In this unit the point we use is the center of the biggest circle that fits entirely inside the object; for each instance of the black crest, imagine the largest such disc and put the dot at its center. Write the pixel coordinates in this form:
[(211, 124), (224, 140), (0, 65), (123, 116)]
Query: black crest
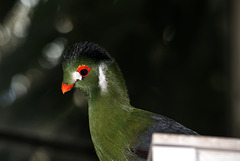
[(87, 50)]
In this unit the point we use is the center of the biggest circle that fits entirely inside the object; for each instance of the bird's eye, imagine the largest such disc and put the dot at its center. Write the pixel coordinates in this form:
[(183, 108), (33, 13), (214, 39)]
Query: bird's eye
[(83, 70)]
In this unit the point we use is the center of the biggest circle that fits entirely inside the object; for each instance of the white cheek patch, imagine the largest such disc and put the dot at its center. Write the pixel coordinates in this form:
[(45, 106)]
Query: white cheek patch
[(76, 76), (102, 78)]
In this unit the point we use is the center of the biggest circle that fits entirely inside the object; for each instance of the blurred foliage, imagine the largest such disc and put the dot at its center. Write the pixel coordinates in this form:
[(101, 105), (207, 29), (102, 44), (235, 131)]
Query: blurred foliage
[(173, 54)]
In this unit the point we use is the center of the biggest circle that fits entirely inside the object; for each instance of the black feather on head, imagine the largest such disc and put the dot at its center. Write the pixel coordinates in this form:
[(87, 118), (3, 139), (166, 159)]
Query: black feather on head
[(86, 50)]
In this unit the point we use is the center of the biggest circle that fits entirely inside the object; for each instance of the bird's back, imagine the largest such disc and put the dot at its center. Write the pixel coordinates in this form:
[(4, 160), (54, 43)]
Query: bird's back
[(159, 124)]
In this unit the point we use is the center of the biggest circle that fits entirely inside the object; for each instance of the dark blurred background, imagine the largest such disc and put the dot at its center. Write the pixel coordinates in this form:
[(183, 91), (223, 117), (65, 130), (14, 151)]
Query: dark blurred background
[(179, 59)]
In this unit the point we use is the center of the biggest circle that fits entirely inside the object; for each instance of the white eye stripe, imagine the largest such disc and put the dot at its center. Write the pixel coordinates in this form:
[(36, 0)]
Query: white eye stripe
[(77, 76), (102, 78)]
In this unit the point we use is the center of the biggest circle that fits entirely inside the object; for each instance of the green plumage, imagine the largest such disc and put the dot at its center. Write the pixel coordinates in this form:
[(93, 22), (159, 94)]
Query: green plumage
[(118, 130)]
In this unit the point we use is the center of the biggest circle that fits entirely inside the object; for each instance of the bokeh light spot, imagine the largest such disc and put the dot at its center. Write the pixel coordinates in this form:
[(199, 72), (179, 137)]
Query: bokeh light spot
[(30, 3), (64, 24)]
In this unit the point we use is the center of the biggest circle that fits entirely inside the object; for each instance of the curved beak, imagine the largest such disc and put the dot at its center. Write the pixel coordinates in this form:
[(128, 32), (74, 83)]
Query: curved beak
[(67, 87)]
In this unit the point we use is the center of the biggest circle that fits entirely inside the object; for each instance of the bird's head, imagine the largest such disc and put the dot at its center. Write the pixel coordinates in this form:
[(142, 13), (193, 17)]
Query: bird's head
[(84, 66)]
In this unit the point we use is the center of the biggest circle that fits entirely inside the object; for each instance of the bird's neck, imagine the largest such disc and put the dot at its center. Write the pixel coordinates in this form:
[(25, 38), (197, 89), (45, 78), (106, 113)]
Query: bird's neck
[(111, 98), (109, 110), (111, 89)]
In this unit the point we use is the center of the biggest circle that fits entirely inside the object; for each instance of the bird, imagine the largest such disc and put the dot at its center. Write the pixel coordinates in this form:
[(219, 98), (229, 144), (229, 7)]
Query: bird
[(119, 131)]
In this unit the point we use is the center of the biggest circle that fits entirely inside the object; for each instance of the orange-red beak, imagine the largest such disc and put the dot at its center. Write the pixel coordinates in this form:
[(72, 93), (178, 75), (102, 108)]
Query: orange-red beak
[(66, 87)]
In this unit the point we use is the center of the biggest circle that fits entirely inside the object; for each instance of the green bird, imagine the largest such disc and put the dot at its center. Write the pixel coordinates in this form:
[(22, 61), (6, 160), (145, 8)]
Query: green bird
[(119, 131)]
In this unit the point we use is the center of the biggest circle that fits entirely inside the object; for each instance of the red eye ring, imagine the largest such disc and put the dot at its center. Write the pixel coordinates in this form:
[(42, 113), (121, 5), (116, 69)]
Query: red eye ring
[(83, 70)]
